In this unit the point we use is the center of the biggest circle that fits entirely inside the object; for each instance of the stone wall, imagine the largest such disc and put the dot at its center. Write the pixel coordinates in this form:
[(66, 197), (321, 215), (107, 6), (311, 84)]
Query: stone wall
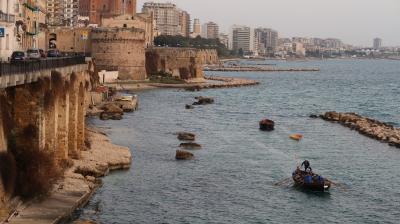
[(120, 49), (46, 115), (185, 63), (71, 40)]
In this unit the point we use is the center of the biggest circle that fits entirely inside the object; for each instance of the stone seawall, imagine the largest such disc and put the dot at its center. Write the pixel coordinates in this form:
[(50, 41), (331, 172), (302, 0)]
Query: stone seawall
[(366, 126), (184, 63)]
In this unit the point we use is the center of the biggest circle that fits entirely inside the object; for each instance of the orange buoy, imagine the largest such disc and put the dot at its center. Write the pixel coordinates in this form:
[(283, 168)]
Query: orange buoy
[(296, 137)]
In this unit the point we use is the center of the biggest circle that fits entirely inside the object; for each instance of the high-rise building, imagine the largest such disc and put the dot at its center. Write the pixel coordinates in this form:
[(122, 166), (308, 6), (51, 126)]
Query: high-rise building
[(224, 39), (377, 43), (196, 28), (265, 41), (211, 30), (62, 12), (241, 39), (184, 23), (99, 9), (166, 16)]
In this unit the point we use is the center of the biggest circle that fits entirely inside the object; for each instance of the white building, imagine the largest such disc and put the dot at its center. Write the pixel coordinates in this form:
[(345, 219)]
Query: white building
[(166, 16), (242, 39), (210, 30), (8, 41)]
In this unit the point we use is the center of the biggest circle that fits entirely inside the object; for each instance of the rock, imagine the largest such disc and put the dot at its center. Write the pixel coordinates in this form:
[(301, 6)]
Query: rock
[(84, 222), (186, 136), (267, 125), (190, 145), (189, 107), (203, 100), (183, 155), (314, 116), (111, 111)]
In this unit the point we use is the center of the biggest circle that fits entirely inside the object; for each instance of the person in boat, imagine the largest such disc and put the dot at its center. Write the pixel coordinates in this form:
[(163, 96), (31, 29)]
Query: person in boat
[(307, 167)]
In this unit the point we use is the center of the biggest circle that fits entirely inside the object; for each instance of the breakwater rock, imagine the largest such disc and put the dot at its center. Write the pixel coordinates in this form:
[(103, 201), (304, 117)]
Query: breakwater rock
[(259, 69), (366, 126)]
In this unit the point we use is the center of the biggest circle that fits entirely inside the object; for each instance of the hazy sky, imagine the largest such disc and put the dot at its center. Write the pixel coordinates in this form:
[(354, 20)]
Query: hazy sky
[(356, 22)]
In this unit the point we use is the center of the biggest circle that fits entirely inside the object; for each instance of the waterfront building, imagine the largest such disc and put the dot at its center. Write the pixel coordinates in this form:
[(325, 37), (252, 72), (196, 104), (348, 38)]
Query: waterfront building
[(241, 39), (96, 10), (265, 41), (211, 30), (166, 16), (377, 43), (298, 49), (196, 28)]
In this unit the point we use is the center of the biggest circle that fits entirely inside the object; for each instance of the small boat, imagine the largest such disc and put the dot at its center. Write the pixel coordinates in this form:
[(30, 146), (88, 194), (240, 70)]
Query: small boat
[(296, 137), (310, 181), (267, 125)]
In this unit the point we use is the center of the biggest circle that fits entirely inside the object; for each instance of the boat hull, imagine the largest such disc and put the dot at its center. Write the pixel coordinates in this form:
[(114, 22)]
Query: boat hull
[(315, 183)]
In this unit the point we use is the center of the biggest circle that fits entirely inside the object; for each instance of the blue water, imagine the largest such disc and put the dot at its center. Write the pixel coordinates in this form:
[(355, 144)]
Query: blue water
[(233, 178)]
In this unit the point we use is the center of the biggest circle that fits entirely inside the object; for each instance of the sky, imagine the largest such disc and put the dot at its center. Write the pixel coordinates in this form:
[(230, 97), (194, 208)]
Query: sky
[(356, 22)]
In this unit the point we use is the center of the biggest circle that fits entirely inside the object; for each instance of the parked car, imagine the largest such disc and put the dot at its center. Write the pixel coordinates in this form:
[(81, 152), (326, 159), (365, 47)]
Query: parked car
[(53, 53), (42, 53), (34, 53), (17, 56)]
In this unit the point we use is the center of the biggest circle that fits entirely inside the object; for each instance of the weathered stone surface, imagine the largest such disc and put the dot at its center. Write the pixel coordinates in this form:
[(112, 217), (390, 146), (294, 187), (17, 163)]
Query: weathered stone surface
[(183, 155), (111, 111), (203, 100), (186, 136), (190, 145), (366, 126)]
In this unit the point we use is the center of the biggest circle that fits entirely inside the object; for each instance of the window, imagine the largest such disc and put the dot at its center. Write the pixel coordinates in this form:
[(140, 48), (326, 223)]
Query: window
[(7, 42)]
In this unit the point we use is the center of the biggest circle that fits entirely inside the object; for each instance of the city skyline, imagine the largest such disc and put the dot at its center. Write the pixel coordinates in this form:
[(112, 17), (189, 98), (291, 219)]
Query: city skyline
[(309, 18)]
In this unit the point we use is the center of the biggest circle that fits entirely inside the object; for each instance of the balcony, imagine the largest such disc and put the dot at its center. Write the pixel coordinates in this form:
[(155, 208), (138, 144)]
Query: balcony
[(4, 17)]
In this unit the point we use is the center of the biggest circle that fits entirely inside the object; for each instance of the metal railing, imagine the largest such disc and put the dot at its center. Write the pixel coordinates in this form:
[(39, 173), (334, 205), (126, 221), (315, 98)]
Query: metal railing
[(29, 66)]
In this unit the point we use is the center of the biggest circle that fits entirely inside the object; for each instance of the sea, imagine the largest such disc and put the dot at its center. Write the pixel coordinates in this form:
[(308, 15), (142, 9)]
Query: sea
[(243, 175)]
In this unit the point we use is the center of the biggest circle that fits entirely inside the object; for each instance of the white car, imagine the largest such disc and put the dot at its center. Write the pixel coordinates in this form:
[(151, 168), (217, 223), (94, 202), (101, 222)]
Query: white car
[(34, 53)]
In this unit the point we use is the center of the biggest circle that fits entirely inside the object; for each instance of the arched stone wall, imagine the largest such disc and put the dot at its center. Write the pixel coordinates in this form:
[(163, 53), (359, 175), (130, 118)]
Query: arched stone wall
[(81, 117)]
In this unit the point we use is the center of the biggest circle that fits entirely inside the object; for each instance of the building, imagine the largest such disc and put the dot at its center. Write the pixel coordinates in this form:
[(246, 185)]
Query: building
[(211, 30), (298, 49), (377, 43), (120, 49), (265, 41), (224, 39), (196, 28), (31, 24), (139, 20), (241, 39), (62, 12), (166, 16), (184, 23), (7, 29), (97, 10)]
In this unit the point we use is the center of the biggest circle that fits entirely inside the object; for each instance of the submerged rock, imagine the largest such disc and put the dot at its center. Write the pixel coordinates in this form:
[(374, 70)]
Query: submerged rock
[(267, 125), (183, 155), (189, 107), (203, 100), (186, 136), (190, 145)]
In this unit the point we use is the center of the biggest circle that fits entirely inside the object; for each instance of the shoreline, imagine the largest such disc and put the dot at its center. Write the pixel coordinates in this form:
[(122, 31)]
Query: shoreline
[(80, 182)]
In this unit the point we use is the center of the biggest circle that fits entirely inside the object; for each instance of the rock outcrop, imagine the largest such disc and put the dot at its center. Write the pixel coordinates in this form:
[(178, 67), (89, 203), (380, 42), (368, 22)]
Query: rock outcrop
[(366, 126), (203, 100), (111, 111), (186, 136), (190, 145), (183, 155)]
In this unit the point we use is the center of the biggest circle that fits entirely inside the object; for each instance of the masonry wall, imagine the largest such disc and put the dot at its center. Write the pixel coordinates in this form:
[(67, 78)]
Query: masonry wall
[(46, 115), (185, 63), (120, 49)]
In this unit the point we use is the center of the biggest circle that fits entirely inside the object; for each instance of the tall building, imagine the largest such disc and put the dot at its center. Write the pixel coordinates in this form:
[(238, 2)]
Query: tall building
[(196, 28), (166, 16), (7, 27), (241, 38), (62, 12), (224, 39), (184, 23), (211, 30), (96, 10), (377, 43), (265, 41)]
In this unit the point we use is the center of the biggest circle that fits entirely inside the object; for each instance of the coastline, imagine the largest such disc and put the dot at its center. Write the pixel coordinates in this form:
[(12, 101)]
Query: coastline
[(79, 183)]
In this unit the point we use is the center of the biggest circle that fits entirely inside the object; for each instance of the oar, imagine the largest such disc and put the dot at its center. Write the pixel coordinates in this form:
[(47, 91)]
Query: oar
[(283, 182)]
